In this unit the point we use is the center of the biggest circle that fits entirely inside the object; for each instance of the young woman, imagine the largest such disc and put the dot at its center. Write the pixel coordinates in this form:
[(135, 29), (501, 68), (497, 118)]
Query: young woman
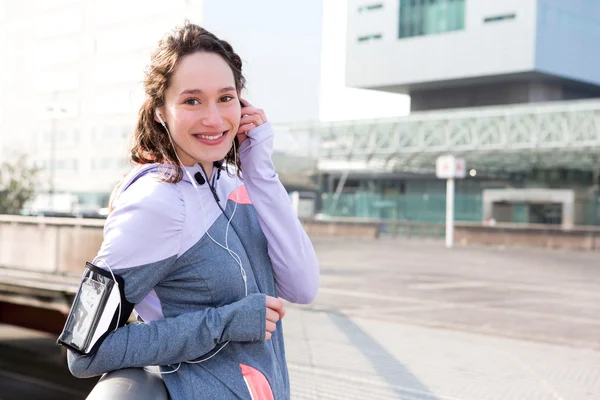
[(203, 234)]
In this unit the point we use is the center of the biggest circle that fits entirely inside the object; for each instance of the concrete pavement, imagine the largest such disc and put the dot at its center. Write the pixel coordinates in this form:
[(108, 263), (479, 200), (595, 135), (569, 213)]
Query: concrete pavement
[(409, 319), (412, 320), (332, 356)]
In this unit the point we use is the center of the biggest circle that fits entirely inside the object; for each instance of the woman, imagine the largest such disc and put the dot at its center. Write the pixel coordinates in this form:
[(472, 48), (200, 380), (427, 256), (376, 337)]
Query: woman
[(206, 253)]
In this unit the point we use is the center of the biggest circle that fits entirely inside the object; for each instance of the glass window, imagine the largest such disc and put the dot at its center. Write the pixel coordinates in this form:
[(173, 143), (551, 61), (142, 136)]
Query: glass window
[(371, 7), (66, 164), (366, 38), (497, 18), (430, 17)]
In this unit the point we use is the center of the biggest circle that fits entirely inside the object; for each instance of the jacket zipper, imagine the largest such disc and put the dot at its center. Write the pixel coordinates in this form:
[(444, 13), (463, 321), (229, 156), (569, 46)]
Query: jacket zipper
[(212, 187)]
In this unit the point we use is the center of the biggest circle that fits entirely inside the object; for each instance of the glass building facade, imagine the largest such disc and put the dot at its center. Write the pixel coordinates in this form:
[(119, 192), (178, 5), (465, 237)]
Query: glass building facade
[(423, 200), (430, 17)]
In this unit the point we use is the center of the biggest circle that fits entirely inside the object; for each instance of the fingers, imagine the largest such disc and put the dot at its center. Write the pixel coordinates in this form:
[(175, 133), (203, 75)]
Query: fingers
[(251, 119), (274, 302), (277, 305), (246, 128), (249, 109), (282, 312), (272, 315), (272, 318), (249, 122), (275, 311)]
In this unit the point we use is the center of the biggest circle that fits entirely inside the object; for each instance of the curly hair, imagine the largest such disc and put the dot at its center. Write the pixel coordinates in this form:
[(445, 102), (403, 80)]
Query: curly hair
[(151, 143)]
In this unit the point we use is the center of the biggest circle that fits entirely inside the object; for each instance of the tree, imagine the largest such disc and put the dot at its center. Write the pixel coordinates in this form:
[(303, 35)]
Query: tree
[(18, 183)]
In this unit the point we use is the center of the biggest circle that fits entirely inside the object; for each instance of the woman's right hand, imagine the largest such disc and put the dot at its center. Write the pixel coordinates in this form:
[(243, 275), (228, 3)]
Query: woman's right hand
[(275, 312)]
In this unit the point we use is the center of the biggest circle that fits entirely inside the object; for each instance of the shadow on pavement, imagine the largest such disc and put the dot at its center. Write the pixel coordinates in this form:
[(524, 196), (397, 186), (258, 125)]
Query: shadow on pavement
[(401, 380)]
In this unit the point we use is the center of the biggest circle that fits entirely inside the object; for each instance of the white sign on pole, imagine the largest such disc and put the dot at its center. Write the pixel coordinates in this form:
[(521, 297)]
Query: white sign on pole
[(448, 167)]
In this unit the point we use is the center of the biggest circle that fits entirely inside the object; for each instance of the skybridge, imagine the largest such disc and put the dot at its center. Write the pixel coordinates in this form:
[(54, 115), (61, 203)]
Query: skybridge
[(501, 138)]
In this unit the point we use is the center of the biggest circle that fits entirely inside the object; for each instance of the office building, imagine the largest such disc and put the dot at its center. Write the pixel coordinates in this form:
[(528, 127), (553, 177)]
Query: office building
[(465, 53)]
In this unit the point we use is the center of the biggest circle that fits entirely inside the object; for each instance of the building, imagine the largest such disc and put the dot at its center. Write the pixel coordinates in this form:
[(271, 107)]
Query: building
[(507, 85), (72, 86), (466, 53), (71, 76)]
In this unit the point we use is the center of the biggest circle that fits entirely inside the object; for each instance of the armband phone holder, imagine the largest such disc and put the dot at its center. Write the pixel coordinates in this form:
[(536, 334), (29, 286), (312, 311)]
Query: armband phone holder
[(99, 308)]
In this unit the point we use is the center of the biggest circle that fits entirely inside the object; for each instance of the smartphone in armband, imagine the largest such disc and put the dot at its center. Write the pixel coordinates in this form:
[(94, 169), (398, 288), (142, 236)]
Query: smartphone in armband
[(99, 308)]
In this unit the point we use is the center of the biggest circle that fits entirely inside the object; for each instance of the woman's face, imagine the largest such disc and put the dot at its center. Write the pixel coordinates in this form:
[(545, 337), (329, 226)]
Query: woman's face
[(202, 109)]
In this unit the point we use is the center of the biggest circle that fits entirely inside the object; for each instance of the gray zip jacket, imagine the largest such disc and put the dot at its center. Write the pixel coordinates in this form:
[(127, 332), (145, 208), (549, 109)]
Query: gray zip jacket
[(190, 292)]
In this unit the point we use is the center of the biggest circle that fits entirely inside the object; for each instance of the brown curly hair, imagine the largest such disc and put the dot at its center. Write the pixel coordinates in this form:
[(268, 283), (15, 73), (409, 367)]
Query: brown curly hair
[(151, 143)]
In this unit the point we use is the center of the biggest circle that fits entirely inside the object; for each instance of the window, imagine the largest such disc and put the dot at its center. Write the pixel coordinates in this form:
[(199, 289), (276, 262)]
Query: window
[(430, 17), (369, 37), (67, 165), (110, 163), (370, 7), (497, 18)]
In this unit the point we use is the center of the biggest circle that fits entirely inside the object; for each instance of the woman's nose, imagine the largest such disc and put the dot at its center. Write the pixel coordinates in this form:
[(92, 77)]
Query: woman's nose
[(213, 116)]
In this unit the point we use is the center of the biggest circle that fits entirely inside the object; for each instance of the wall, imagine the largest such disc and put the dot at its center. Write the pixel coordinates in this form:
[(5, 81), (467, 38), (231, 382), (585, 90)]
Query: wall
[(485, 95)]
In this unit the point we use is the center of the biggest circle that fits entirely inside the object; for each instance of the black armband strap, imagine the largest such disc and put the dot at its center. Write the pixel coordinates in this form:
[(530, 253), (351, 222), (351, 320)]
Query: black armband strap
[(95, 311)]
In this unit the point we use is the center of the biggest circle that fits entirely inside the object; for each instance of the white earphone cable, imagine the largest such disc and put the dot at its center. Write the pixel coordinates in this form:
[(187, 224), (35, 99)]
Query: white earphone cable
[(232, 253)]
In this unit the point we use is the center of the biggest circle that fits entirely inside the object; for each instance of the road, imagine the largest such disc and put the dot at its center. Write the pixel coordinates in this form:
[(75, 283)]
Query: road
[(409, 319)]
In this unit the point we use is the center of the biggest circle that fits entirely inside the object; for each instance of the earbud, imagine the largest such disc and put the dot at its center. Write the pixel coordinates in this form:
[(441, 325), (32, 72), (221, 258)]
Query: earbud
[(159, 118)]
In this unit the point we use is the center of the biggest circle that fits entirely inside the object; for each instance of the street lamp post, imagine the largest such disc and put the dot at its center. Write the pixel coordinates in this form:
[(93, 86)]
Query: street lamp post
[(55, 111)]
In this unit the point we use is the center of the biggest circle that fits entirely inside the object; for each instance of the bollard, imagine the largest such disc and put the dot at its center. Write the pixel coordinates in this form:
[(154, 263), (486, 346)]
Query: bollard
[(130, 384)]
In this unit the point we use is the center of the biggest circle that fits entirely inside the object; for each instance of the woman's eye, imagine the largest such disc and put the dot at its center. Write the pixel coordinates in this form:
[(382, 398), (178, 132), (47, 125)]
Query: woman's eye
[(192, 102), (226, 99)]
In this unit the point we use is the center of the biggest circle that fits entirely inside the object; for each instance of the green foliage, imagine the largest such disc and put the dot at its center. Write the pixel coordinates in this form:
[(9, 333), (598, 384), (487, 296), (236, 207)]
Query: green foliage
[(18, 183)]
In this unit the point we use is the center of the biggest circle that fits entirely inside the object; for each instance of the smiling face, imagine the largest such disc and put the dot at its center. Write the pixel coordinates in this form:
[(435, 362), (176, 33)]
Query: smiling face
[(201, 108)]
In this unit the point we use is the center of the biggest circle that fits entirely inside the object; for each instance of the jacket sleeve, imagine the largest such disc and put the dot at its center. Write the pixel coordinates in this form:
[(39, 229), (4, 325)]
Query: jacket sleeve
[(142, 239), (295, 264), (173, 340)]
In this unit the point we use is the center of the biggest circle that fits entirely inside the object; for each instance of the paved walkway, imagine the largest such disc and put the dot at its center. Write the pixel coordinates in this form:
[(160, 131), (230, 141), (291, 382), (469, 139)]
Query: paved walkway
[(412, 320), (332, 356)]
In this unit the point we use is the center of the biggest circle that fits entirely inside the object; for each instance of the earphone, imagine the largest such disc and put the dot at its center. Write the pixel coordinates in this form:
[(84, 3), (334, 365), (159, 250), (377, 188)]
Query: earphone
[(233, 254)]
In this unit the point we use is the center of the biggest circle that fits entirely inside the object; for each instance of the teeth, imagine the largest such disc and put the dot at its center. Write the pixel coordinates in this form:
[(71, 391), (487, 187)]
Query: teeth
[(212, 137)]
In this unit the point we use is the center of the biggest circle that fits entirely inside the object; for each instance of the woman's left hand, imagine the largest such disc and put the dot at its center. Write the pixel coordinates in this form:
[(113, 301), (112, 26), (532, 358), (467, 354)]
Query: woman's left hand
[(251, 118)]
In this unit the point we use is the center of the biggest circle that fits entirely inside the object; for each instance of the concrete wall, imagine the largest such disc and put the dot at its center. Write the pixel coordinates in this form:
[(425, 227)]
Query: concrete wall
[(62, 246), (52, 246), (513, 235)]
